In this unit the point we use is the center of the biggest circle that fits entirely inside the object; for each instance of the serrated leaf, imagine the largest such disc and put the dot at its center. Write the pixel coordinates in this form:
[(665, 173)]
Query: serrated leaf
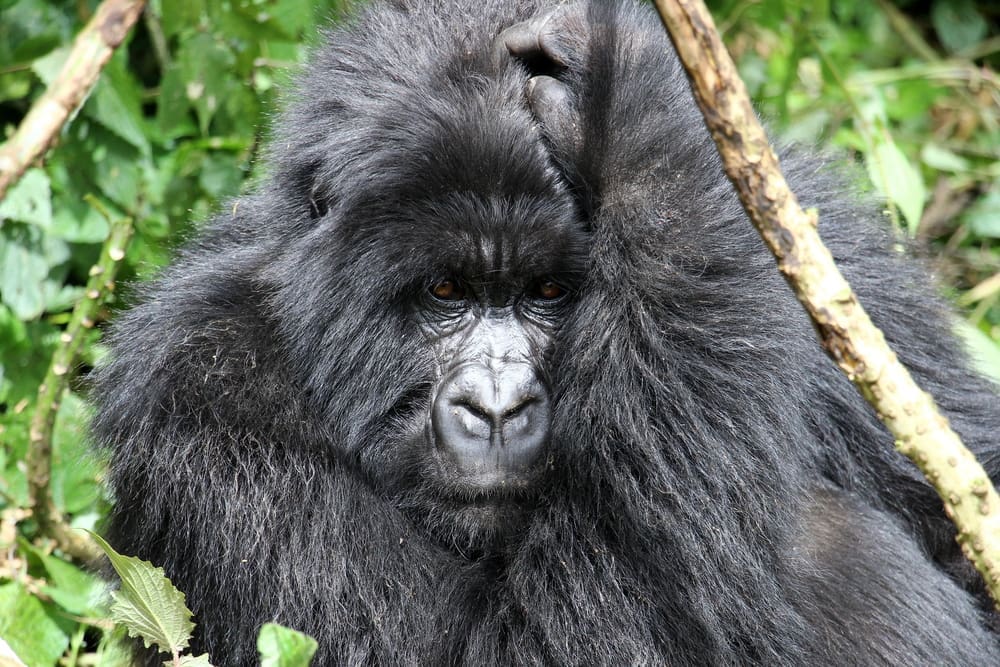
[(283, 647), (147, 604), (192, 661), (26, 259), (30, 200)]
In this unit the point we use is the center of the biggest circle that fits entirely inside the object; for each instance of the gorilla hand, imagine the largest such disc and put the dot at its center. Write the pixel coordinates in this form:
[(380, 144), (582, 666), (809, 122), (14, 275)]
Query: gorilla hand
[(552, 46), (613, 106)]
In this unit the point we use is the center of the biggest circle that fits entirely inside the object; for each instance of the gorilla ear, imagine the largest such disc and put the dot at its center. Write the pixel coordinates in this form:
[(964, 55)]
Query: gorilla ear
[(302, 180), (318, 206)]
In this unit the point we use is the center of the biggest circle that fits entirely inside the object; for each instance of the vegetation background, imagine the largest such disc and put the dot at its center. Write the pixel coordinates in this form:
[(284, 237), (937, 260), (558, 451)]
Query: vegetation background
[(907, 89)]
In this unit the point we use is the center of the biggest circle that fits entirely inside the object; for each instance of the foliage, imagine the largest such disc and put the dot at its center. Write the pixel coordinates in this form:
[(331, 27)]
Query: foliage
[(175, 123), (167, 135), (911, 90), (147, 605), (282, 647)]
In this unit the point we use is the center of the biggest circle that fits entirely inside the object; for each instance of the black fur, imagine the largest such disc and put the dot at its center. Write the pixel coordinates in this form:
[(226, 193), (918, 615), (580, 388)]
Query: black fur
[(716, 492)]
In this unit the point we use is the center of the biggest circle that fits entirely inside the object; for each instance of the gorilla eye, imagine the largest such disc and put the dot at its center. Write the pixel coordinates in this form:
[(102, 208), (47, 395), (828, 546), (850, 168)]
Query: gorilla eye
[(448, 290), (549, 290)]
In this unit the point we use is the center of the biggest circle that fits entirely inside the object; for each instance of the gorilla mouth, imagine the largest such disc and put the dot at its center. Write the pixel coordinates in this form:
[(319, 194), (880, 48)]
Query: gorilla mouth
[(465, 513), (494, 476)]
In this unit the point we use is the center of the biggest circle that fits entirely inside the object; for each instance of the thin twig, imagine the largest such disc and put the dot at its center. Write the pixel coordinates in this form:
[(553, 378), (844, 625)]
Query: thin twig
[(50, 520)]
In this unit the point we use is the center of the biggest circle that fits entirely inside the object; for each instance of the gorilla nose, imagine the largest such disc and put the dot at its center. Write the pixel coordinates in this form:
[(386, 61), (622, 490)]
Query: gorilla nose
[(492, 423)]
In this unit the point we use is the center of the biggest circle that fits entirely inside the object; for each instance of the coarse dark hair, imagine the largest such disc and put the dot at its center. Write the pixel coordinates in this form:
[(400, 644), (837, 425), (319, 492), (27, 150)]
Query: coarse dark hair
[(713, 490)]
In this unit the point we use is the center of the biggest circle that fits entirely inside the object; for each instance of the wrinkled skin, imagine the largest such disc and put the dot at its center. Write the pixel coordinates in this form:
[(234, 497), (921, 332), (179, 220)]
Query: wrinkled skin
[(492, 369)]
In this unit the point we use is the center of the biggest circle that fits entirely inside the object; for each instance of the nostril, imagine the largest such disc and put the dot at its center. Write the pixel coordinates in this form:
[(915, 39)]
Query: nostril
[(519, 407), (491, 414), (474, 408)]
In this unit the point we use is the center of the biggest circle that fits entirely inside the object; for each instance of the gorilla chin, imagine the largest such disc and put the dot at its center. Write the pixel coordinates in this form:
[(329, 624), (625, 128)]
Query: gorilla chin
[(478, 511)]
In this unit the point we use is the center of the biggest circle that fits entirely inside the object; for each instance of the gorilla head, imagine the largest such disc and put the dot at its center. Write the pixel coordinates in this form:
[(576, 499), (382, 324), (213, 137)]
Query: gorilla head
[(424, 287), (492, 369)]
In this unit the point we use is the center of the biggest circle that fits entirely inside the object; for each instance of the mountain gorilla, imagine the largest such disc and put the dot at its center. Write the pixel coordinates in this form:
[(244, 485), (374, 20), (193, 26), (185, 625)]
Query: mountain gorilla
[(492, 369)]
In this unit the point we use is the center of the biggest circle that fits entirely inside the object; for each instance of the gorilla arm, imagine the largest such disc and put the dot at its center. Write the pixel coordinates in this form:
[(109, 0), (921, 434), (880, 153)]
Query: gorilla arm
[(625, 131), (616, 110)]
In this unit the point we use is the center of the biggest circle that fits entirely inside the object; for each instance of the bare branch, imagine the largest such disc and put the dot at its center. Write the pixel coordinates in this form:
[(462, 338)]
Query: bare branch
[(91, 51), (845, 330)]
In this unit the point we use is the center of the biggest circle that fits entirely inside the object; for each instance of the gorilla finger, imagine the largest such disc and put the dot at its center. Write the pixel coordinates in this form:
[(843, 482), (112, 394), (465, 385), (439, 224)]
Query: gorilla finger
[(530, 40), (550, 100)]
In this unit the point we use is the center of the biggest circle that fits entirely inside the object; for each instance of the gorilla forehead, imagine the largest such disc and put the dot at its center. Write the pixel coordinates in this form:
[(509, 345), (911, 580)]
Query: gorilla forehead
[(487, 144), (471, 235), (476, 237)]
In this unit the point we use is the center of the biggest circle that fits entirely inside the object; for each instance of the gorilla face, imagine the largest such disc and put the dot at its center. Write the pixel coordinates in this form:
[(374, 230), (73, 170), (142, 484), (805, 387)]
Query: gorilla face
[(487, 426), (489, 420), (490, 322)]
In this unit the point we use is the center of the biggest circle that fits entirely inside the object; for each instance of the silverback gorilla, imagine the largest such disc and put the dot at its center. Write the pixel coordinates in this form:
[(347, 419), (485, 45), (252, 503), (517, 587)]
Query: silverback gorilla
[(491, 369)]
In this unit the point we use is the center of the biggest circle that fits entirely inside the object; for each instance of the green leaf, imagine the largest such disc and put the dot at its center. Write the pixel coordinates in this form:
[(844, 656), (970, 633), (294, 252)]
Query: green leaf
[(120, 176), (115, 105), (28, 29), (220, 176), (26, 259), (942, 159), (983, 217), (172, 110), (207, 66), (47, 67), (77, 222), (30, 200), (147, 604), (958, 23), (181, 15), (32, 634), (283, 647), (983, 350), (75, 472), (897, 179), (25, 351), (192, 661), (73, 589), (115, 650), (293, 17)]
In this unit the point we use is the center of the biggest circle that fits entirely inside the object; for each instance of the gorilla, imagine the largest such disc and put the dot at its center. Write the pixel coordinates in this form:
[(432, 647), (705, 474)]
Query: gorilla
[(491, 369)]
